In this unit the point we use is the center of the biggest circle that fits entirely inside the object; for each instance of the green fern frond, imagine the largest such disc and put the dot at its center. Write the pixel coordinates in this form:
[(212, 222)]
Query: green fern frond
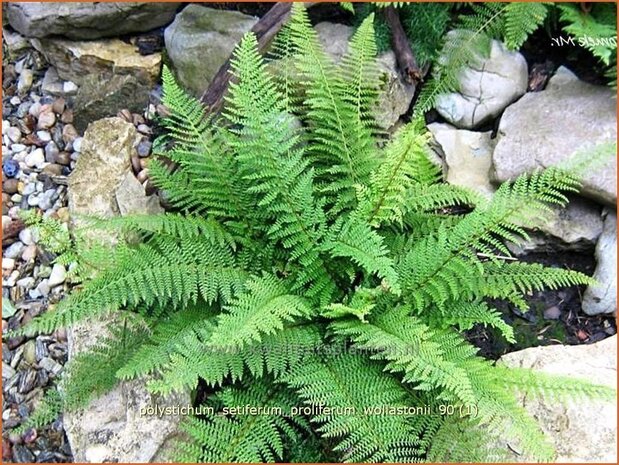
[(47, 411), (244, 438), (468, 314), (165, 272), (262, 308), (347, 387)]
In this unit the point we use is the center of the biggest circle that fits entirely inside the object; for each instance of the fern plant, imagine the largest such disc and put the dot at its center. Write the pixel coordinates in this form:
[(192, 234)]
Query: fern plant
[(313, 271)]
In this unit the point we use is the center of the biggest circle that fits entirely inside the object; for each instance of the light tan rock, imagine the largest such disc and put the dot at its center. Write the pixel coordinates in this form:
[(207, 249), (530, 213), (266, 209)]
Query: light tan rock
[(76, 60), (467, 155), (583, 430), (113, 427)]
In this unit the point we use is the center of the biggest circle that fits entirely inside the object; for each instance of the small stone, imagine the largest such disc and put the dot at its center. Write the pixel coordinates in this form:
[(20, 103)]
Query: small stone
[(36, 158), (143, 176), (69, 88), (53, 169), (29, 236), (30, 436), (10, 186), (7, 371), (144, 148), (144, 129), (22, 454), (8, 263), (25, 81), (45, 136), (552, 313), (10, 168), (59, 105), (46, 120), (35, 109), (67, 116), (77, 144), (63, 158), (43, 288), (50, 365), (14, 134), (58, 275), (30, 253), (51, 152), (63, 214), (69, 134), (26, 283), (14, 250)]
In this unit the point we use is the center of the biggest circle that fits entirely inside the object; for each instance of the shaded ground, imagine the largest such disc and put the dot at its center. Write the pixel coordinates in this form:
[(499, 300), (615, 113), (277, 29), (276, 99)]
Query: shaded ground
[(536, 327)]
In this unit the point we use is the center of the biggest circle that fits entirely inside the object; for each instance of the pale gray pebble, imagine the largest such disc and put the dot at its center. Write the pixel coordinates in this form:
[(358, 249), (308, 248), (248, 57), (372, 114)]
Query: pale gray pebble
[(26, 283), (77, 144), (14, 250), (45, 136), (51, 152), (50, 365), (44, 287)]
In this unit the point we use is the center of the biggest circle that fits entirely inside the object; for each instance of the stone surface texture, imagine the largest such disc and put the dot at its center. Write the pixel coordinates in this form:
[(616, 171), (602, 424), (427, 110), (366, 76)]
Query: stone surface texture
[(486, 88), (467, 155), (114, 428), (87, 20), (583, 430), (200, 40), (548, 128), (603, 298)]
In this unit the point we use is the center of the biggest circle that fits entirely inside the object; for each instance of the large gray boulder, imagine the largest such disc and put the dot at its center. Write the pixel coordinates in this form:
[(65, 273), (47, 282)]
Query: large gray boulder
[(584, 430), (548, 128), (87, 20), (486, 87), (603, 297), (113, 427), (575, 227), (200, 40)]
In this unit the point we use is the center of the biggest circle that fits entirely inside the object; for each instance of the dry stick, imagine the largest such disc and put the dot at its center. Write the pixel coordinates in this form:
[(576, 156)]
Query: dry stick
[(265, 29), (402, 49)]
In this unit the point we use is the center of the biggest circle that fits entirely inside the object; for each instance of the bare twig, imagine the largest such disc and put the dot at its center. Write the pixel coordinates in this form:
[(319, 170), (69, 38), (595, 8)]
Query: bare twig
[(265, 29), (402, 49)]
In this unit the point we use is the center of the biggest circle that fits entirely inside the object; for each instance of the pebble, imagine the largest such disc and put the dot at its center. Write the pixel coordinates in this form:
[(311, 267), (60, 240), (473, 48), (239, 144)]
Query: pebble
[(10, 168), (69, 133), (27, 282), (22, 109), (36, 158), (53, 169), (144, 148), (35, 109), (22, 454), (59, 105), (552, 313), (58, 275), (14, 134), (25, 81), (10, 186), (67, 116), (50, 365), (43, 288), (46, 119), (63, 158), (29, 236), (30, 253), (63, 214), (69, 87), (51, 152), (14, 250), (45, 136), (77, 144), (16, 148), (8, 263)]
